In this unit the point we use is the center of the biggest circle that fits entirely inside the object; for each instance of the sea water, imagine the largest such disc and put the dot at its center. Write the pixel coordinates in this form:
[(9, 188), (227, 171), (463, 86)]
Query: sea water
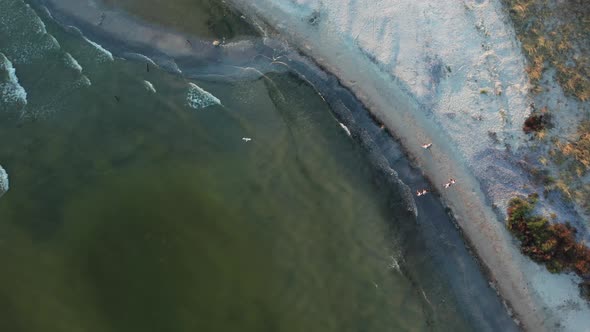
[(144, 199)]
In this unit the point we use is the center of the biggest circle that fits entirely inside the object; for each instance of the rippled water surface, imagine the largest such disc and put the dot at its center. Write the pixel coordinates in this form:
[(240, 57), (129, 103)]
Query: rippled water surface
[(142, 200)]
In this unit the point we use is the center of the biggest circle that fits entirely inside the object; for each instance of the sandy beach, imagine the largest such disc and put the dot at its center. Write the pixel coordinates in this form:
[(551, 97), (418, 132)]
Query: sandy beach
[(456, 71)]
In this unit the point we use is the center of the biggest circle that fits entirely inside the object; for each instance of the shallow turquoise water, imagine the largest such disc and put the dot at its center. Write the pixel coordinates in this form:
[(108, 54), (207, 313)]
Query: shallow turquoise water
[(130, 210)]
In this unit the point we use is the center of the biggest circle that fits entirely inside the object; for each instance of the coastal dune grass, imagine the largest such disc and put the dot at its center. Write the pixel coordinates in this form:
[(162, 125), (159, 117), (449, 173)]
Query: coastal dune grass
[(553, 244), (573, 157), (580, 148), (555, 34)]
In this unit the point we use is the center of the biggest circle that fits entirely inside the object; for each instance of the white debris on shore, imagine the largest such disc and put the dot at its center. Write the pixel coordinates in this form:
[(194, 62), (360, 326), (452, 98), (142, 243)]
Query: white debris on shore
[(4, 184), (424, 68)]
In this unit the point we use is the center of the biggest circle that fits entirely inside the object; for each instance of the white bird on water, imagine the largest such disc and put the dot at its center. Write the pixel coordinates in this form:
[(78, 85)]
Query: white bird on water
[(426, 146), (246, 139)]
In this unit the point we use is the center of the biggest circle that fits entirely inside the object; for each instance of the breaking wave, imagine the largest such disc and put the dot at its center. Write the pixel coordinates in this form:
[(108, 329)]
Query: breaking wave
[(10, 90), (149, 86), (198, 98), (4, 185), (72, 62), (105, 54), (31, 39), (82, 81)]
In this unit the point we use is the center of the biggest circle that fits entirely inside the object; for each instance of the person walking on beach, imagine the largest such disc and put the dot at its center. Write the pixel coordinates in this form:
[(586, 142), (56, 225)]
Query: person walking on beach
[(450, 183), (421, 192)]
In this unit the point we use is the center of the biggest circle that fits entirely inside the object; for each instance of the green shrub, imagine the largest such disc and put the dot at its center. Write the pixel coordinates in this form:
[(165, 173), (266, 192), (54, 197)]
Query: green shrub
[(554, 245)]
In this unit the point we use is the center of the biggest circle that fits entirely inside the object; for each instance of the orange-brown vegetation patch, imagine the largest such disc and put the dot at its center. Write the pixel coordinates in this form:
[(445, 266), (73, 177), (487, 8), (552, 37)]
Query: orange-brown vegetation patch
[(555, 34), (553, 244)]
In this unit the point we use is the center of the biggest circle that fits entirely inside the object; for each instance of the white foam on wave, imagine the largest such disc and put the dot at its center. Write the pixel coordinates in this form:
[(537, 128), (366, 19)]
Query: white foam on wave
[(72, 62), (4, 184), (172, 66), (46, 12), (54, 44), (149, 86), (25, 50), (74, 30), (40, 25), (198, 98), (106, 54), (408, 196), (11, 91), (83, 81), (27, 34)]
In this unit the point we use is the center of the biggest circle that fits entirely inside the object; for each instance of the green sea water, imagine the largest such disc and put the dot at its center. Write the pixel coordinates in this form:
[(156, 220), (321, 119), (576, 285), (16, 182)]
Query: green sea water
[(130, 210)]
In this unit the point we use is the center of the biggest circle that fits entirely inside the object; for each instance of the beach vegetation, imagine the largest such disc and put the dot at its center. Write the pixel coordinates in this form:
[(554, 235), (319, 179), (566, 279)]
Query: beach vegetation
[(541, 135), (537, 122), (543, 161), (552, 244), (542, 176), (573, 158), (554, 37), (579, 148), (555, 34)]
